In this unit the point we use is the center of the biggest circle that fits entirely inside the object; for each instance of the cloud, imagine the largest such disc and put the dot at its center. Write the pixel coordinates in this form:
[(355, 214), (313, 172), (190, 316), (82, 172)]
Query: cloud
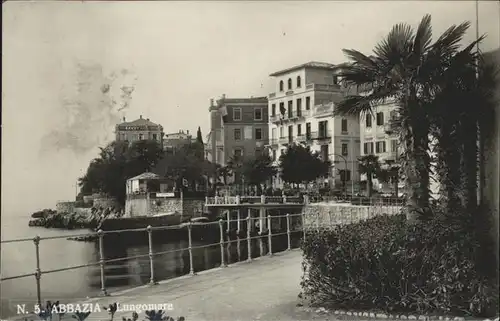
[(90, 110)]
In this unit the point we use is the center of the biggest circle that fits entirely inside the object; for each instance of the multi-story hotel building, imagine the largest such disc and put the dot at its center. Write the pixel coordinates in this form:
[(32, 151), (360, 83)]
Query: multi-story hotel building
[(238, 127), (301, 111), (173, 141), (139, 129)]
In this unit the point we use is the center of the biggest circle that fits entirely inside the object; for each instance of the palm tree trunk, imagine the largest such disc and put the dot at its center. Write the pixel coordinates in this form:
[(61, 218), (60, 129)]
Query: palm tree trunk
[(469, 166), (417, 167), (448, 168), (396, 185), (369, 184)]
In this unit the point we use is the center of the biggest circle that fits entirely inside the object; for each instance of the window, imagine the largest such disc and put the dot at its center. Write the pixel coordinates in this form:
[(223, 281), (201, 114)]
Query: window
[(368, 148), (281, 85), (394, 145), (141, 136), (345, 175), (344, 125), (273, 133), (345, 149), (380, 119), (238, 152), (308, 130), (335, 80), (299, 130), (237, 134), (273, 110), (322, 129), (154, 137), (258, 133), (299, 82), (290, 109), (393, 115), (290, 133), (380, 147), (282, 108), (237, 114), (282, 134), (299, 107), (324, 152), (274, 154), (289, 83), (308, 103), (368, 121), (258, 152), (258, 114)]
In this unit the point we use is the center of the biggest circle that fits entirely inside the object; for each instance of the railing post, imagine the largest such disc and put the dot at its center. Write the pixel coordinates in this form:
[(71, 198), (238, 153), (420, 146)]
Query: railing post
[(263, 199), (149, 229), (237, 199), (206, 199), (221, 243), (216, 200), (284, 199), (303, 216), (269, 235), (100, 233), (190, 249), (288, 232), (38, 271), (249, 240)]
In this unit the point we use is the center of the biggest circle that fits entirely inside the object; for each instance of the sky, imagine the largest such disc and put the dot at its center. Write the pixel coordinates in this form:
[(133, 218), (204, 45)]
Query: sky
[(72, 70)]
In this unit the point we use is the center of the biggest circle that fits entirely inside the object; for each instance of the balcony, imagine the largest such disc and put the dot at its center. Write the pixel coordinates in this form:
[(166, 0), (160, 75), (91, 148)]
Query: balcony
[(272, 95), (275, 118), (273, 142), (301, 138), (323, 110), (323, 136), (283, 140), (323, 87), (288, 93)]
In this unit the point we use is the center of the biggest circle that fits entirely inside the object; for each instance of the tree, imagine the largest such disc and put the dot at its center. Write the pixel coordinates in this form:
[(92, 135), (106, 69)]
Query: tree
[(390, 174), (299, 165), (370, 166), (199, 137), (258, 170), (404, 67), (234, 165)]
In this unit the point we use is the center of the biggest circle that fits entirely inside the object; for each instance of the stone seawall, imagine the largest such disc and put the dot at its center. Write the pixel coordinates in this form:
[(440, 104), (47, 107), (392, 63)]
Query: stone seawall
[(156, 206), (325, 215)]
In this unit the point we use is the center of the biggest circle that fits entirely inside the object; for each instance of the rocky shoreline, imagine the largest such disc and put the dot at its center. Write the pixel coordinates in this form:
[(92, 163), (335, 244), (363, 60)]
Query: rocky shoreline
[(88, 218)]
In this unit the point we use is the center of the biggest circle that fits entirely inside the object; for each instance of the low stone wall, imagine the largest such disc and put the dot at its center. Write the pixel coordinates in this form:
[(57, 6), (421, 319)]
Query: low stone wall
[(105, 202), (326, 215), (155, 206)]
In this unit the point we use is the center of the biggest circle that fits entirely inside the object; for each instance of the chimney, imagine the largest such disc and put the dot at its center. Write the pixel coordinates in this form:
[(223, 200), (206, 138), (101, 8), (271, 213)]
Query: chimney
[(187, 132), (211, 102), (223, 96), (147, 119), (123, 119), (140, 116)]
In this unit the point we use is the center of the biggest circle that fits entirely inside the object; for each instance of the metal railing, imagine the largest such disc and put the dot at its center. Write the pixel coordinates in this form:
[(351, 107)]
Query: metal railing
[(359, 200), (265, 234), (239, 200)]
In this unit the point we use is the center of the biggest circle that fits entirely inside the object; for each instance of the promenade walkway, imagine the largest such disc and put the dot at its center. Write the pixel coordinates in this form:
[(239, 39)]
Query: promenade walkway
[(264, 289)]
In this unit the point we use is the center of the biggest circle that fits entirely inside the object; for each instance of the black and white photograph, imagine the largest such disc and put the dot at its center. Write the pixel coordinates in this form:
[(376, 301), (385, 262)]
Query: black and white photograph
[(250, 160)]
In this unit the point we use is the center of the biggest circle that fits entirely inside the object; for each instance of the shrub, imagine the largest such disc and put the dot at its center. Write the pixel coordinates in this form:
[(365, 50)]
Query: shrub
[(382, 264)]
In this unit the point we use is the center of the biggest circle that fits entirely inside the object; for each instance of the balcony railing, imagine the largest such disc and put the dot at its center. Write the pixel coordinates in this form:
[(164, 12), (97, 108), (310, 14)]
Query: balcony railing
[(323, 110), (239, 200), (272, 95), (283, 140), (322, 135), (301, 138), (273, 142), (323, 87)]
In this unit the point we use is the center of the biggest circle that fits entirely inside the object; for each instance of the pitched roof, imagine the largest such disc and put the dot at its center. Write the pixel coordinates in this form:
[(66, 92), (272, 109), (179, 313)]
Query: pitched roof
[(311, 64), (146, 175), (139, 122), (235, 101)]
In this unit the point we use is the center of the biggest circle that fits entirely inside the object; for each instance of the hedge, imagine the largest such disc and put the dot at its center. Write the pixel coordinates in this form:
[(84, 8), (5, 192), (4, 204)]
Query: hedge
[(384, 265)]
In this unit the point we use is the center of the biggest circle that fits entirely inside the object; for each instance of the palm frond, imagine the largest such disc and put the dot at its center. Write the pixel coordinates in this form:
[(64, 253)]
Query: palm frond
[(423, 36), (397, 45)]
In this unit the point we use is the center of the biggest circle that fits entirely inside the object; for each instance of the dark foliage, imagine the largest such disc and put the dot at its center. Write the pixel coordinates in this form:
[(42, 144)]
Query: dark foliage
[(385, 264), (299, 165), (258, 170)]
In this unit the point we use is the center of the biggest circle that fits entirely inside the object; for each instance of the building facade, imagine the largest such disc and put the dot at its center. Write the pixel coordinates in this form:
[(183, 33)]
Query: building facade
[(238, 127), (173, 141), (139, 129), (301, 111)]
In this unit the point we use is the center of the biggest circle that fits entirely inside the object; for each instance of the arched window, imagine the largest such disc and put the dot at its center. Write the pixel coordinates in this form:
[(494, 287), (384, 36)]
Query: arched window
[(281, 85), (289, 83), (299, 82)]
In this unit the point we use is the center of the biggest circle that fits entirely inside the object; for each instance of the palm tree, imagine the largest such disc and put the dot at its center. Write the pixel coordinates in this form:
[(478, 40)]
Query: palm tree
[(370, 166), (403, 68), (390, 174)]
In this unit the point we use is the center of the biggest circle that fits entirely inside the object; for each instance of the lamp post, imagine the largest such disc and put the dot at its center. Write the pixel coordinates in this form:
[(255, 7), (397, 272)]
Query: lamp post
[(345, 173)]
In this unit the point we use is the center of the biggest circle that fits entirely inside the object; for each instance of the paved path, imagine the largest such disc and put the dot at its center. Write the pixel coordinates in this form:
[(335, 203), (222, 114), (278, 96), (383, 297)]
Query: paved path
[(264, 289)]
